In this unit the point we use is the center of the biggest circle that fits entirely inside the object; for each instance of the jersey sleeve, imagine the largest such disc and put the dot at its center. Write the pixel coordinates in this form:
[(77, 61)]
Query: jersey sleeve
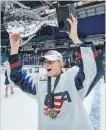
[(21, 78), (90, 69)]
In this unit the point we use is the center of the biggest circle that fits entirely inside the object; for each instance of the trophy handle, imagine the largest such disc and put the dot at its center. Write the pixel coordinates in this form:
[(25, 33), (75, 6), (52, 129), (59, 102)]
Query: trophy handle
[(9, 5), (21, 5), (26, 41)]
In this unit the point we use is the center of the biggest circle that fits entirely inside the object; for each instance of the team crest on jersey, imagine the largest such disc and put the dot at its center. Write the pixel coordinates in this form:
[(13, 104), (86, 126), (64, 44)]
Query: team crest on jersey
[(59, 99)]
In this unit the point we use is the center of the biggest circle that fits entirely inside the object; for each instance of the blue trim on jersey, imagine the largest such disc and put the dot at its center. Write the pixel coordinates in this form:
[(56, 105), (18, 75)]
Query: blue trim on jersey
[(26, 81), (100, 70), (20, 78), (34, 90), (80, 77)]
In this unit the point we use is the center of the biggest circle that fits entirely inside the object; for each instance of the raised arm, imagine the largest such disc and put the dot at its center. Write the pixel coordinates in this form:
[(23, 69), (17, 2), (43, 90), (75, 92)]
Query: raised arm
[(90, 65), (91, 69), (19, 77)]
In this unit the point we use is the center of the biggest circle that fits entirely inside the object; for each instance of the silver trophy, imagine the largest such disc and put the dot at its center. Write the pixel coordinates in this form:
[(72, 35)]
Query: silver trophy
[(23, 20)]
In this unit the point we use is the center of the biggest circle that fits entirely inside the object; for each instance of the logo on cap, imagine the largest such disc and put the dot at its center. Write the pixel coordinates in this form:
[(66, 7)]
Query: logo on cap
[(49, 52)]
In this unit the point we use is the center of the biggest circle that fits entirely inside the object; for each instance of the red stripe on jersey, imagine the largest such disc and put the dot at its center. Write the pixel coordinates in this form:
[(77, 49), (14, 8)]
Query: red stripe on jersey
[(14, 65), (46, 110), (79, 56), (58, 111), (60, 101), (46, 113), (95, 53)]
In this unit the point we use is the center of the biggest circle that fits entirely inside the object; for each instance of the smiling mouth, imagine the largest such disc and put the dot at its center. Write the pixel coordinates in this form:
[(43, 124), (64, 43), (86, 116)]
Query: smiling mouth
[(49, 70)]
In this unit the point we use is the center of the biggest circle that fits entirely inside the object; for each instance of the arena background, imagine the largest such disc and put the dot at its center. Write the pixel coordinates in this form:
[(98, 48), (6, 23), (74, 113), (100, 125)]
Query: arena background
[(91, 28)]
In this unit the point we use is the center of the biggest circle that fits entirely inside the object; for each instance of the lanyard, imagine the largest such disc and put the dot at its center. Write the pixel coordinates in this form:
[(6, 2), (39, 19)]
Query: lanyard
[(51, 94)]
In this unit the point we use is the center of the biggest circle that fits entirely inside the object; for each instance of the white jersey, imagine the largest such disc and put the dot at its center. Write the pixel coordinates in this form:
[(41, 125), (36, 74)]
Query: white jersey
[(68, 103), (72, 88)]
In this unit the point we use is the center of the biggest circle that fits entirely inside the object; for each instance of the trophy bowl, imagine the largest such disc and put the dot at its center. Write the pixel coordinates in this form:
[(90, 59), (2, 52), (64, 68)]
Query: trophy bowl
[(25, 21)]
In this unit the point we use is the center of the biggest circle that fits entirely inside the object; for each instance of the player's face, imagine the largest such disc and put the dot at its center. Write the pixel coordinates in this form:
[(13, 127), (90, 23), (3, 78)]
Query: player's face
[(53, 68)]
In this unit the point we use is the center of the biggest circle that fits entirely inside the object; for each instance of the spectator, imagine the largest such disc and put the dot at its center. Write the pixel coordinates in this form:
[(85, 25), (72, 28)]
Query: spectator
[(7, 83)]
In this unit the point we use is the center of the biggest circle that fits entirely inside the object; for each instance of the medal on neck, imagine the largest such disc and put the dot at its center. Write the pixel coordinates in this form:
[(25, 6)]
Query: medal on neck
[(52, 113)]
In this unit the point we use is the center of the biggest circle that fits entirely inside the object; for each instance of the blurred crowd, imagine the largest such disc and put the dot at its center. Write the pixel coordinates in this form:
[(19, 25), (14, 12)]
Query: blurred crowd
[(70, 58)]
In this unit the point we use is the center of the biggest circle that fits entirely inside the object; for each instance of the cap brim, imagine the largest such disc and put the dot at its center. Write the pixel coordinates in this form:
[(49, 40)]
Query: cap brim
[(49, 57)]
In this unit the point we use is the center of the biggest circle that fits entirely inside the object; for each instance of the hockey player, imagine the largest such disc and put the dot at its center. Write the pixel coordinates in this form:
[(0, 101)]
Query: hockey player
[(7, 84), (59, 94)]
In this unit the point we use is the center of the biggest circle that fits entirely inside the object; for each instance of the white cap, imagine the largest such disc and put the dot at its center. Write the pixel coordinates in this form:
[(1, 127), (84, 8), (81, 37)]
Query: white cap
[(53, 55)]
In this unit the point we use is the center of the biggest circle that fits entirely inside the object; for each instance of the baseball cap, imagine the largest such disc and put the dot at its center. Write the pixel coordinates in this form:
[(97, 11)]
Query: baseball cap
[(53, 55)]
